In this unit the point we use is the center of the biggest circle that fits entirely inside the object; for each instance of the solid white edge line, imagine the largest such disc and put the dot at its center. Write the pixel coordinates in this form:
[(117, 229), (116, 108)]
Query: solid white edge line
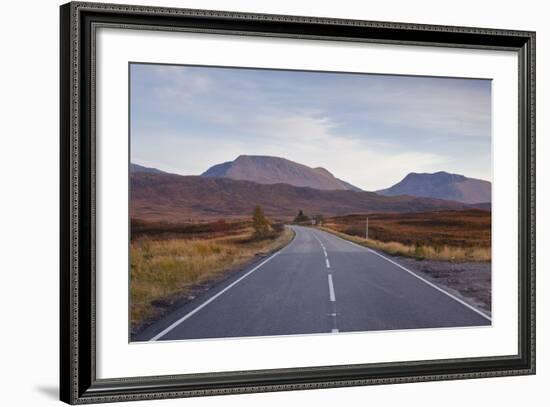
[(204, 304), (426, 281), (331, 288)]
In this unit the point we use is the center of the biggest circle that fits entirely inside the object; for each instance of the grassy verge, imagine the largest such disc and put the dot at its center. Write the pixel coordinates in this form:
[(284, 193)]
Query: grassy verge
[(420, 251), (163, 270)]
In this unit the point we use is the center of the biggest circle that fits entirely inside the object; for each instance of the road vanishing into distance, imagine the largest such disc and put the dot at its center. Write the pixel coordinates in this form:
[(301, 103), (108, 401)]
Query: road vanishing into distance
[(318, 283)]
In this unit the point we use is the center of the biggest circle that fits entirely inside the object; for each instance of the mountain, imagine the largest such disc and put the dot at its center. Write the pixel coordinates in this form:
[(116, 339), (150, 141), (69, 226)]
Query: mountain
[(276, 170), (141, 168), (442, 185), (176, 198)]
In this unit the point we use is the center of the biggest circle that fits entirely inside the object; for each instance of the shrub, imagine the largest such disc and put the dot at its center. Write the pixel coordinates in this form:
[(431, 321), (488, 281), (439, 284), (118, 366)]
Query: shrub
[(260, 223)]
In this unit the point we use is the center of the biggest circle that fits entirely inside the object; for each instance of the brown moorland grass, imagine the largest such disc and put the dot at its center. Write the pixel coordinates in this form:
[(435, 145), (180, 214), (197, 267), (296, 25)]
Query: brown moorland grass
[(445, 235), (188, 230), (163, 270)]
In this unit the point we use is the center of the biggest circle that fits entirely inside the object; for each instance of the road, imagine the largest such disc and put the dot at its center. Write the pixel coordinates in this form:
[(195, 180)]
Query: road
[(319, 283)]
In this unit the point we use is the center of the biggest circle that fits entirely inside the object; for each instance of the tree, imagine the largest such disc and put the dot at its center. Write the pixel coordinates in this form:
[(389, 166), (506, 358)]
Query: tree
[(260, 223), (301, 217)]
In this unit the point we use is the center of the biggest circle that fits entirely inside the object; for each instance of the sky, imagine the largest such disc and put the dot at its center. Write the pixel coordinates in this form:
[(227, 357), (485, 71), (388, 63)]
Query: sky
[(369, 130)]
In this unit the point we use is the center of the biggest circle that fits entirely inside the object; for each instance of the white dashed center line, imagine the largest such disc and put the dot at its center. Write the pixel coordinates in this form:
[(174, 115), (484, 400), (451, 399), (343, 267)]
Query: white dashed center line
[(332, 296), (331, 288)]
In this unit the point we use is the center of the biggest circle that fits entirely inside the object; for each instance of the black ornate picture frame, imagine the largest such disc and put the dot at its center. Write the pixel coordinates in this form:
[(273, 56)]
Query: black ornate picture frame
[(79, 383)]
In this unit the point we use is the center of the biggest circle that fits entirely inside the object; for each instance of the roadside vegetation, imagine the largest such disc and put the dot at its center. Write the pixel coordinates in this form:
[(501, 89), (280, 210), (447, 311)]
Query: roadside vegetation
[(457, 236), (169, 260)]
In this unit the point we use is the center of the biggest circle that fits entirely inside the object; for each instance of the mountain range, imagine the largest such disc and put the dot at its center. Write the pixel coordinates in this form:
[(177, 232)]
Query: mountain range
[(283, 187), (442, 185), (177, 198)]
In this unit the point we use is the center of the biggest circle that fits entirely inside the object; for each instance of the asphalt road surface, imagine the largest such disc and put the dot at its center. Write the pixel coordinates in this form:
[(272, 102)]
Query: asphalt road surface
[(319, 283)]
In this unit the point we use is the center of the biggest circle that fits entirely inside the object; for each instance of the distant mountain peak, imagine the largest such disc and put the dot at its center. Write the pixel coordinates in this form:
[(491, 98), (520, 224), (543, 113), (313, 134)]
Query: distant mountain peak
[(141, 168), (256, 157), (218, 170), (323, 170), (442, 185), (265, 169)]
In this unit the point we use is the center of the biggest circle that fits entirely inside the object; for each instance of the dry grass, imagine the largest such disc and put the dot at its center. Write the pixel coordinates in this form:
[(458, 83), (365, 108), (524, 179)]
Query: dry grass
[(189, 230), (468, 228), (437, 235), (418, 251), (165, 269)]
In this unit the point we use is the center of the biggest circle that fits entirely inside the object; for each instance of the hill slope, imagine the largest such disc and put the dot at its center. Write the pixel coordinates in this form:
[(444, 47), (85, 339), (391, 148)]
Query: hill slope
[(176, 198), (275, 170), (141, 168), (442, 185)]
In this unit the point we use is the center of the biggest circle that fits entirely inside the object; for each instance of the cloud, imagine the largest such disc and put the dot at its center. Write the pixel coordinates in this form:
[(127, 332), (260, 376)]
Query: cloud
[(310, 140), (369, 130), (461, 111)]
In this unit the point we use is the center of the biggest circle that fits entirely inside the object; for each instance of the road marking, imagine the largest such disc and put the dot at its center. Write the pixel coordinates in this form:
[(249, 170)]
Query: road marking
[(319, 240), (330, 285), (204, 304), (324, 250), (426, 281), (331, 288)]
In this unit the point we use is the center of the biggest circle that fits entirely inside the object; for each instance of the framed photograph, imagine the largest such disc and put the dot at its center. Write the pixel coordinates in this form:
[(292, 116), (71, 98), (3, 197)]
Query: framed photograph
[(256, 203)]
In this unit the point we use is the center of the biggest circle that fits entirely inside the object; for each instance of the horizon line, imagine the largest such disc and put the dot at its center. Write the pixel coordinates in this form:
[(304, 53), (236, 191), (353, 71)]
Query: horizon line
[(175, 172)]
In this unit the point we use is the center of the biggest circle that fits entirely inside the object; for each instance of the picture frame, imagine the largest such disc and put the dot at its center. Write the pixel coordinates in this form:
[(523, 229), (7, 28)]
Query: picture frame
[(79, 382)]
